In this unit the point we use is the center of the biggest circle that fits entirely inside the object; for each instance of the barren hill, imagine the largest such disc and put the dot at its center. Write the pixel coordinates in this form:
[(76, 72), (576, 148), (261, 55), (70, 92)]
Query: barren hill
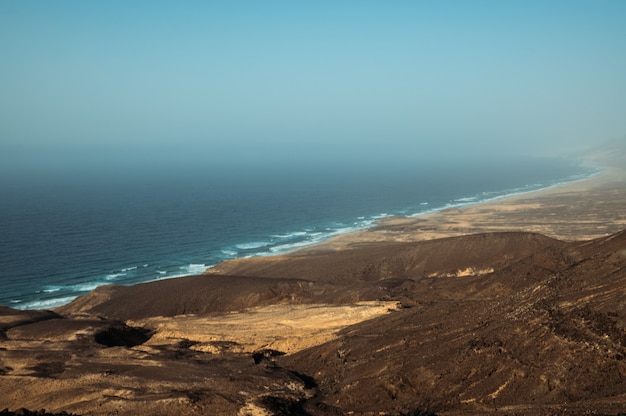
[(499, 323)]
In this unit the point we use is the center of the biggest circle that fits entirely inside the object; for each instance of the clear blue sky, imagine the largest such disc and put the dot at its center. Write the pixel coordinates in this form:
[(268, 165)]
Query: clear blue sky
[(238, 81)]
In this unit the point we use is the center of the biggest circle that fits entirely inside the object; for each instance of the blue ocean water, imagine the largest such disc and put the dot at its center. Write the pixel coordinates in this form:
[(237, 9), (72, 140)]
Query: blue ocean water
[(64, 234)]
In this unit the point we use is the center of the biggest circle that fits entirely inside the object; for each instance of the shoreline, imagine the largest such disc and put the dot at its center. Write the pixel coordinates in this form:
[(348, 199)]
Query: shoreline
[(580, 209), (392, 228)]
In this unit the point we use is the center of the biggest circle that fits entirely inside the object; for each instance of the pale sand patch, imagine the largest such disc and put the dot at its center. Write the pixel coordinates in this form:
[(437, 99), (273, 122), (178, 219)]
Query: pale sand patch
[(285, 328), (470, 271), (251, 409)]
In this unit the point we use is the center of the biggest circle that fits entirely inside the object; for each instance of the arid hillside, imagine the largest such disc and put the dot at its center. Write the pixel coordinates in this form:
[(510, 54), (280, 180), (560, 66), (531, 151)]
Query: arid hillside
[(497, 323)]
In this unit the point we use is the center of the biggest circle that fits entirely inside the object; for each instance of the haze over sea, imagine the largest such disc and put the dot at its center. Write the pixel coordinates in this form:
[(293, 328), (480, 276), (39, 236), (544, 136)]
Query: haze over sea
[(64, 236)]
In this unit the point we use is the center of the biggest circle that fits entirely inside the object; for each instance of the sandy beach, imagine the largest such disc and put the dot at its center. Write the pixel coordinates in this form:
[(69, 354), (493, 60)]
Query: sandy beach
[(515, 306), (578, 210)]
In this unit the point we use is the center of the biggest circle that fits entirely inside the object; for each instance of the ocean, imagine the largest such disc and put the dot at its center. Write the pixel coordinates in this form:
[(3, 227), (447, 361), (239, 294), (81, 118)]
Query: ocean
[(64, 234)]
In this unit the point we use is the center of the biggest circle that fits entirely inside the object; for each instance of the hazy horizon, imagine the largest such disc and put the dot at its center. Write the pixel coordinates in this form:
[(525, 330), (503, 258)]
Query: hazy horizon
[(145, 84)]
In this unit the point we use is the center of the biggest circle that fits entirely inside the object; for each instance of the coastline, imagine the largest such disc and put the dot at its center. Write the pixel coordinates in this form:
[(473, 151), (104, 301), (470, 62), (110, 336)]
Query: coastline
[(452, 218), (293, 224), (582, 209)]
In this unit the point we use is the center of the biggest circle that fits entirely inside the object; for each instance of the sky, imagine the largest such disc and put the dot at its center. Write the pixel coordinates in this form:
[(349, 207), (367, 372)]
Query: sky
[(165, 83)]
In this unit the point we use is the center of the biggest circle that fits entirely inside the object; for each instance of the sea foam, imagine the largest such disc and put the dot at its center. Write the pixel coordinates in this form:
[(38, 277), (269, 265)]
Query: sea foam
[(253, 245), (45, 303)]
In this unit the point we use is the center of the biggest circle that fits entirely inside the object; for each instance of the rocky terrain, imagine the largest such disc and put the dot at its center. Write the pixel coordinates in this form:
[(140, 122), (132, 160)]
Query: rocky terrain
[(496, 323)]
